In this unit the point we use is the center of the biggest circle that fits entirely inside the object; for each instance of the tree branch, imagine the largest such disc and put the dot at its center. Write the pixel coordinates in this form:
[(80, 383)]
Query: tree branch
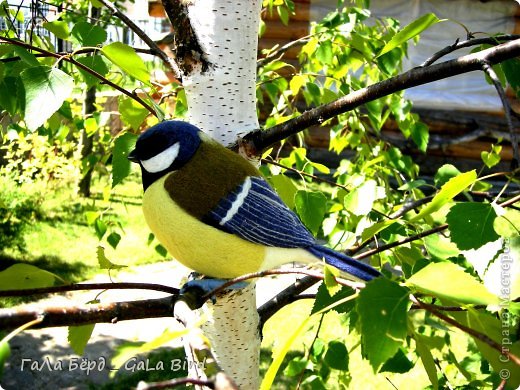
[(83, 67), (145, 38), (259, 140), (486, 67), (468, 43), (185, 45), (87, 314)]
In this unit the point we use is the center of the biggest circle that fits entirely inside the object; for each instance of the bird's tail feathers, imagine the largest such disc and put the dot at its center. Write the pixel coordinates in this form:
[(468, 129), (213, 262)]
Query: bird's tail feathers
[(345, 263)]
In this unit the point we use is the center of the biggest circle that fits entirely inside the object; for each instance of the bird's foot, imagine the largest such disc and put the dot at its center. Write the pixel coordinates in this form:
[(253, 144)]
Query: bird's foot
[(203, 287)]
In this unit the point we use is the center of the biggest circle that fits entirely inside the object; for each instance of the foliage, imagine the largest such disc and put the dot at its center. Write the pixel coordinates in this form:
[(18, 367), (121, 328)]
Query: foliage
[(450, 262), (19, 206)]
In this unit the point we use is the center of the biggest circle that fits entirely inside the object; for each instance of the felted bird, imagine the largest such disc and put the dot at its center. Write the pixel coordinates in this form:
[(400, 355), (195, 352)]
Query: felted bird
[(216, 214)]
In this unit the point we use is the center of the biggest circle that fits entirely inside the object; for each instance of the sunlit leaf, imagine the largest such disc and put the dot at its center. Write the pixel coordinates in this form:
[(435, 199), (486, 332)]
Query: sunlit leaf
[(22, 276), (456, 285), (78, 337), (132, 112), (448, 191), (5, 352), (410, 31), (46, 89), (127, 59), (58, 27)]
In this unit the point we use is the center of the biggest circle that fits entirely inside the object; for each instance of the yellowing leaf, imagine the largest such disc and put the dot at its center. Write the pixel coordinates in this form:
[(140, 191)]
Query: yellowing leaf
[(448, 191), (449, 281)]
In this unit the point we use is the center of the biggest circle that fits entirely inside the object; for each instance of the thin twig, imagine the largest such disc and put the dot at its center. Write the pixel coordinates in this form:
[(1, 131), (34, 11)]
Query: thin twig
[(391, 245), (145, 38), (84, 67), (260, 140), (480, 336), (281, 50), (486, 67), (468, 43), (291, 271)]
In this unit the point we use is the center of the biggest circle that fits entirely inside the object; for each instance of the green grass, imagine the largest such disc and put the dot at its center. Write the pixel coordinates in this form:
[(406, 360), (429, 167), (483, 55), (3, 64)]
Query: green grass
[(61, 241)]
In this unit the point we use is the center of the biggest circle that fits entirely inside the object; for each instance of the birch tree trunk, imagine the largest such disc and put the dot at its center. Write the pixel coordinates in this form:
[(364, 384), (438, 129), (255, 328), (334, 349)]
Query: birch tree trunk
[(220, 87)]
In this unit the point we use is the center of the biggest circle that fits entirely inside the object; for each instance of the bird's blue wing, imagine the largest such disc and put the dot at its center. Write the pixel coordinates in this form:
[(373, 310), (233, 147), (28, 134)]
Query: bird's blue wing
[(255, 212)]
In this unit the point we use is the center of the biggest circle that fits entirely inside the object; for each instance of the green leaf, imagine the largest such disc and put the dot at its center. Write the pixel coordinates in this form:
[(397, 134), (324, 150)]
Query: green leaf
[(507, 224), (445, 173), (127, 60), (132, 112), (78, 337), (382, 307), (59, 28), (46, 89), (22, 276), (329, 279), (104, 262), (97, 64), (296, 83), (87, 34), (427, 360), (491, 158), (113, 239), (456, 284), (311, 207), (371, 231), (336, 356), (510, 68), (410, 31), (27, 57), (296, 366), (399, 363), (360, 200), (440, 247), (471, 224), (420, 135), (120, 163), (448, 191), (324, 299), (285, 188), (324, 52), (10, 101)]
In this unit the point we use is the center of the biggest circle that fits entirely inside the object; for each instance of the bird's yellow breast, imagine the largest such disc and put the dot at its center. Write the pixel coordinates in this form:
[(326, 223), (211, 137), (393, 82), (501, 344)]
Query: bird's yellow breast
[(198, 246)]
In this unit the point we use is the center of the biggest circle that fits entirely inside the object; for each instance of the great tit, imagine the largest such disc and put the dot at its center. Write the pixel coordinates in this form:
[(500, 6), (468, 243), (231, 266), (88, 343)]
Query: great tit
[(216, 214)]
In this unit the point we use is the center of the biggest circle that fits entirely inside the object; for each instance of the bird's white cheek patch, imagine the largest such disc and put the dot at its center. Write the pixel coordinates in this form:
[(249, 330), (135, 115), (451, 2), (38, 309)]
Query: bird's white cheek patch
[(163, 160)]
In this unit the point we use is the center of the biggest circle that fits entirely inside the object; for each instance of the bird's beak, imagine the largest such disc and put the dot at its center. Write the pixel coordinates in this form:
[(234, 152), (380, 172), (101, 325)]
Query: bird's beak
[(132, 156)]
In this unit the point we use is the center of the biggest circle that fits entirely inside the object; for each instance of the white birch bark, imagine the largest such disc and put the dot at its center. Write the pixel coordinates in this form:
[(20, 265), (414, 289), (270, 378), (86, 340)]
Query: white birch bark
[(222, 103)]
